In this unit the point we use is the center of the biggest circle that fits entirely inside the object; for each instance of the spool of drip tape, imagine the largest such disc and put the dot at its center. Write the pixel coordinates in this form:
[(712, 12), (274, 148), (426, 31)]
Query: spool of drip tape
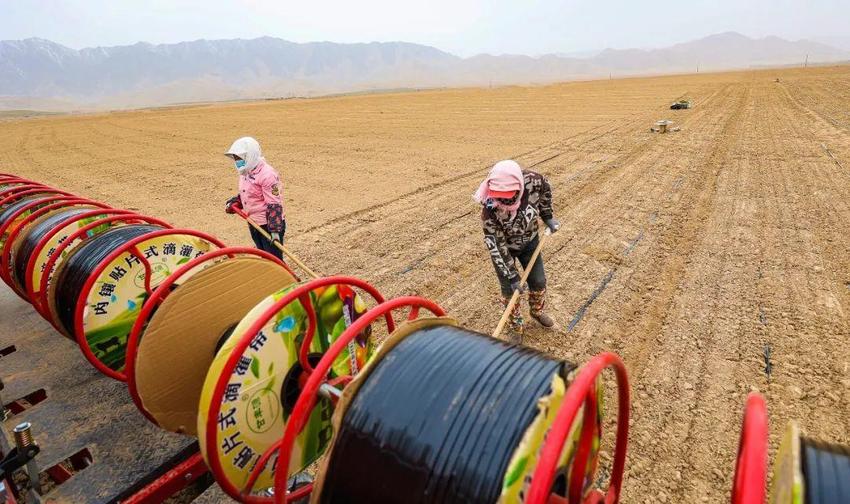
[(119, 290), (72, 273), (826, 471), (13, 213), (181, 338), (24, 246), (809, 471), (443, 414), (263, 388), (48, 248)]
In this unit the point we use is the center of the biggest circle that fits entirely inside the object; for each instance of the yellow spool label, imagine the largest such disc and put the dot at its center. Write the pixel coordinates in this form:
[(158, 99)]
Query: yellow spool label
[(117, 296), (253, 414), (525, 458), (50, 246), (787, 485)]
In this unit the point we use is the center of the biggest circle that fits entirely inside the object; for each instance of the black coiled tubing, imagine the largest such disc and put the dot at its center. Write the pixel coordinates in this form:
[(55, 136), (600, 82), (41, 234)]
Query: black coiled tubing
[(79, 267), (35, 235), (13, 207), (438, 419), (826, 472)]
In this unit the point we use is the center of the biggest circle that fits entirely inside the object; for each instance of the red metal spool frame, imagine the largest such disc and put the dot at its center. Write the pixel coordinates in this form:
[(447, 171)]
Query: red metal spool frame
[(5, 253), (14, 180), (16, 194), (50, 194), (751, 465), (124, 216), (129, 246), (309, 392), (301, 293), (35, 296), (748, 486), (35, 204), (25, 185), (158, 296), (582, 391)]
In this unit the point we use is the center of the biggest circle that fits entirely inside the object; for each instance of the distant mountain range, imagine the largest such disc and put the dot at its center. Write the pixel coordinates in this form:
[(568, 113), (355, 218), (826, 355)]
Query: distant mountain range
[(37, 73)]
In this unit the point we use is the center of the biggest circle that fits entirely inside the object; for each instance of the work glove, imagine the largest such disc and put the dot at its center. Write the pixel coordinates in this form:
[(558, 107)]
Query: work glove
[(234, 202), (276, 237), (517, 286), (553, 224)]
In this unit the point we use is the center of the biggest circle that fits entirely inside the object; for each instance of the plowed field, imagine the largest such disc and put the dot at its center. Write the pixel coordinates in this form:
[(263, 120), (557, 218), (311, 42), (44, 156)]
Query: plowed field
[(689, 253)]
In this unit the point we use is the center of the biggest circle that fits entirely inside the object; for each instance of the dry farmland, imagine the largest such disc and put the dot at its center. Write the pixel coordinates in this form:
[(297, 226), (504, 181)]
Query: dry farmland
[(687, 253)]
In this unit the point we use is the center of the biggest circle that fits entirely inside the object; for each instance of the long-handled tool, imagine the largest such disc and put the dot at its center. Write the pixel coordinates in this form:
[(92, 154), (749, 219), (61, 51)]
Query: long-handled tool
[(277, 244), (525, 273)]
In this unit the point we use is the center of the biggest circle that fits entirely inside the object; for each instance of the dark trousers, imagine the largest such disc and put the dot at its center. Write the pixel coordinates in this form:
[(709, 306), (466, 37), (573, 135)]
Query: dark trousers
[(537, 276), (263, 243)]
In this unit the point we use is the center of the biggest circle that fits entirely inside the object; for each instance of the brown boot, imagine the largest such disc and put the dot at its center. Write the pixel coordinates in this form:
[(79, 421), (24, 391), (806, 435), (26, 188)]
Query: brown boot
[(536, 305), (516, 324)]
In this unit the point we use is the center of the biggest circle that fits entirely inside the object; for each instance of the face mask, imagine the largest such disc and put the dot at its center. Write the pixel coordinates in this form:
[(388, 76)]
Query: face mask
[(508, 201), (240, 164), (490, 204)]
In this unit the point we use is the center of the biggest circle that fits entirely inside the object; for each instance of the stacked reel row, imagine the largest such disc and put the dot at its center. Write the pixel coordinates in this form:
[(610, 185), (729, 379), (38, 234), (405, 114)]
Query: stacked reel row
[(274, 375)]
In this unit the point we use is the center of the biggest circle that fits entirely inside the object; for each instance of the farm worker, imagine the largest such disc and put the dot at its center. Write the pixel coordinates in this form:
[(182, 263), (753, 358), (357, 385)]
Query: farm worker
[(512, 200), (259, 193)]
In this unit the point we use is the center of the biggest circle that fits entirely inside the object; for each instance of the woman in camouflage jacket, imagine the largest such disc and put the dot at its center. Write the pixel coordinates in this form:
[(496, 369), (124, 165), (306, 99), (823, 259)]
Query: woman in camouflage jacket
[(512, 200)]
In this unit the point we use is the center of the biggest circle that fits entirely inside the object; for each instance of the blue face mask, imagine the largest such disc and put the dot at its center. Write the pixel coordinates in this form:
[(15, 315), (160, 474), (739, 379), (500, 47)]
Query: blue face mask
[(240, 163)]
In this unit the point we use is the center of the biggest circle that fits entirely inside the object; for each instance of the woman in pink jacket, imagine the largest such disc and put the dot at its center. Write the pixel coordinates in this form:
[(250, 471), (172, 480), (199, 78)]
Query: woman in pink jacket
[(260, 193)]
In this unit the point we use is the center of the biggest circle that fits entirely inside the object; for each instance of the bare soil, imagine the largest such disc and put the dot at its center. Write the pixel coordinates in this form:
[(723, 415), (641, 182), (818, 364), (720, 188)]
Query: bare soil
[(688, 253)]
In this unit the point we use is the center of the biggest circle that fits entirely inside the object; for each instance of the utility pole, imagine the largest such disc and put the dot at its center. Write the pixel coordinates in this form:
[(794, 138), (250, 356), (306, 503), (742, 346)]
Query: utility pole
[(806, 64)]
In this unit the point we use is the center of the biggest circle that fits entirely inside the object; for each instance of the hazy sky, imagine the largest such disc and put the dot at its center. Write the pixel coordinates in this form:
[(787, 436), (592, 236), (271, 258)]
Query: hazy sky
[(463, 27)]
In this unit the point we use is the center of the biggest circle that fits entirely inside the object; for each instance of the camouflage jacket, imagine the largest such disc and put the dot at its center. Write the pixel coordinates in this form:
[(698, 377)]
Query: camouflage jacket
[(504, 236)]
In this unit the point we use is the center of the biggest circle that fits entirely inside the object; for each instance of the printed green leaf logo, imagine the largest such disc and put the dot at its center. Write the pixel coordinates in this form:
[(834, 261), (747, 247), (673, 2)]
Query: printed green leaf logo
[(255, 367), (516, 472)]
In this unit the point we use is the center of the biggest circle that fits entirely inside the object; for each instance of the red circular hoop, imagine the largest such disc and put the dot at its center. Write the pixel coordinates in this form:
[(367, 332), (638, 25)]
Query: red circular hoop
[(19, 192), (579, 392), (5, 226), (241, 345), (307, 397), (6, 254), (39, 297), (158, 296), (585, 446), (29, 192), (20, 185), (748, 487), (11, 179), (129, 246), (24, 185)]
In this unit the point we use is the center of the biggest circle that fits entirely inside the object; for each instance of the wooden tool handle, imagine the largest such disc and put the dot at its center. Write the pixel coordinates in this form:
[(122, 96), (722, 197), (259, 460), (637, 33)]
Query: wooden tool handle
[(515, 297), (276, 243)]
